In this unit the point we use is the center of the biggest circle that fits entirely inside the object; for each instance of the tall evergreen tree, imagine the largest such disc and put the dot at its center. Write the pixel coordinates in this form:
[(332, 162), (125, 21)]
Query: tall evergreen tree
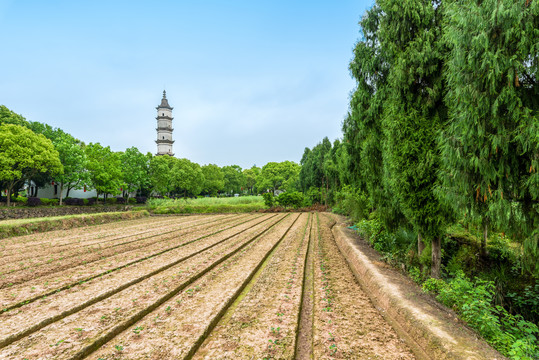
[(491, 146), (414, 113)]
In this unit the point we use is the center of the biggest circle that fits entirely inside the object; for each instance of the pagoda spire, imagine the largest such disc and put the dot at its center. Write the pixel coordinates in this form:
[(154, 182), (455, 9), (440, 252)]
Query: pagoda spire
[(164, 127)]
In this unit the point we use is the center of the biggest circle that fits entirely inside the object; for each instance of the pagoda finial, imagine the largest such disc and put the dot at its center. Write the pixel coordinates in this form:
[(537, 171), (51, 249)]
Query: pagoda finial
[(164, 94)]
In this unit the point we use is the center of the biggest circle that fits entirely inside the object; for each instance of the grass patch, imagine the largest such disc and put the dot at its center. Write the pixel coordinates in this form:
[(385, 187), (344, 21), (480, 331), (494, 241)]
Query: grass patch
[(241, 204), (18, 227)]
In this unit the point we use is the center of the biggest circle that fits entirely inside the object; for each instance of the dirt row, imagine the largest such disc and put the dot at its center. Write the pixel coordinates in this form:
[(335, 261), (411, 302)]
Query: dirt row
[(227, 287)]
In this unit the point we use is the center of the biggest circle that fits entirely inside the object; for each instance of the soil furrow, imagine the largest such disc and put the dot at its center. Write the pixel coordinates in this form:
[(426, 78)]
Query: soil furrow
[(75, 234), (149, 282), (37, 295), (195, 312), (262, 322), (77, 250), (8, 280), (71, 242), (305, 323)]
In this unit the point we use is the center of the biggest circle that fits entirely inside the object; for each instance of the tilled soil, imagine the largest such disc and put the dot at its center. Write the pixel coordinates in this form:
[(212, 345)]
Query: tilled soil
[(204, 287)]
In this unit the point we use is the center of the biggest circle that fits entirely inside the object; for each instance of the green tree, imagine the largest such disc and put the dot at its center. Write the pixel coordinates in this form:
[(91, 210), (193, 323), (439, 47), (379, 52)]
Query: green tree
[(283, 175), (414, 113), (214, 180), (73, 159), (104, 169), (135, 170), (23, 154), (234, 179), (363, 130), (187, 177), (491, 146), (9, 117), (250, 176), (161, 174)]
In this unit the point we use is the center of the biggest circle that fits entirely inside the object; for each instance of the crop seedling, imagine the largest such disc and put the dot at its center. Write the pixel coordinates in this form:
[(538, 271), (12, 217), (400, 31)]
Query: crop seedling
[(275, 331), (168, 309), (332, 349), (138, 329), (119, 348)]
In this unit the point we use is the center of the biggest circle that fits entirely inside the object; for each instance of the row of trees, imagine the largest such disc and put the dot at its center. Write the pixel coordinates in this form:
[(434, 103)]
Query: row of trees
[(444, 121), (32, 151)]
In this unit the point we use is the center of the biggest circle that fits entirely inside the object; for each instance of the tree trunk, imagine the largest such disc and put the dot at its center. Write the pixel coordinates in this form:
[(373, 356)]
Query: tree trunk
[(61, 193), (420, 245), (484, 239), (8, 197), (436, 257)]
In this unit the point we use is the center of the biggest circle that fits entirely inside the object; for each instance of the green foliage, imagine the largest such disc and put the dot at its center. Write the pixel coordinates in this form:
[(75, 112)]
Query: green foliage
[(24, 154), (73, 159), (51, 202), (490, 146), (511, 335), (274, 176), (104, 169), (160, 174), (206, 205), (234, 179), (293, 199), (269, 199), (9, 117), (214, 180), (251, 175), (135, 170), (187, 177), (352, 202)]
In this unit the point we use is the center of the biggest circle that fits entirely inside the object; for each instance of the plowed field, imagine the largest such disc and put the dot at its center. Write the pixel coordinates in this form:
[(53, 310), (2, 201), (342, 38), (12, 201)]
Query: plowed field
[(248, 286)]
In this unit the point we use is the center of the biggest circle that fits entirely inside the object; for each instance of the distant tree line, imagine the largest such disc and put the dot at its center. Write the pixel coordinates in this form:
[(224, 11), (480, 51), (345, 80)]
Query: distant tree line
[(35, 152)]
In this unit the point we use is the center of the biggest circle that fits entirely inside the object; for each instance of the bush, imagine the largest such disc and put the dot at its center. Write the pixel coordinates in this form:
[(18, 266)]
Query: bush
[(111, 200), (90, 201), (141, 199), (132, 201), (74, 202), (352, 202), (509, 334), (120, 200), (33, 201), (268, 199), (294, 199), (20, 199), (51, 202)]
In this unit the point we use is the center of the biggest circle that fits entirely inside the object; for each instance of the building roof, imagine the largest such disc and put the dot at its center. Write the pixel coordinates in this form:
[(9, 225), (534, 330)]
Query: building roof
[(164, 102)]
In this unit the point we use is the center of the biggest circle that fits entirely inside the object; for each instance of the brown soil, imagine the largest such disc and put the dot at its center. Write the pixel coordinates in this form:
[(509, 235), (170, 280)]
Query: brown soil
[(249, 286)]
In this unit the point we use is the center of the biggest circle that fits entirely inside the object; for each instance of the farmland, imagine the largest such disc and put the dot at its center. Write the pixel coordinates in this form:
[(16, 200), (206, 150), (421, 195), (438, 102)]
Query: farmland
[(235, 286)]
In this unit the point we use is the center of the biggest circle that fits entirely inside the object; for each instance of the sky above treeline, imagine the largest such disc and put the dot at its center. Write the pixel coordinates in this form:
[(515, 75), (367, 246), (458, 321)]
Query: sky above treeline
[(250, 81)]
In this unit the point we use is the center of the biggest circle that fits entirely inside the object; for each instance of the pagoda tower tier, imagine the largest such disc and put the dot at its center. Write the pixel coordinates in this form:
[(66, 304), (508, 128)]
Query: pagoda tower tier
[(164, 127)]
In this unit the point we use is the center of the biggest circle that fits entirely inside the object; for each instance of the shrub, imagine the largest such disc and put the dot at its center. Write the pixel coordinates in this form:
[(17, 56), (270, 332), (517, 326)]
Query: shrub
[(111, 200), (294, 199), (90, 201), (120, 200), (141, 199), (21, 199), (268, 199), (51, 202), (74, 202), (132, 201), (33, 201), (509, 334)]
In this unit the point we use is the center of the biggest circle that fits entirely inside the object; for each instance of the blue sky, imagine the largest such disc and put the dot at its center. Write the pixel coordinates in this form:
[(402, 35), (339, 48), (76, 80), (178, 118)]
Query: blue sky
[(250, 81)]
